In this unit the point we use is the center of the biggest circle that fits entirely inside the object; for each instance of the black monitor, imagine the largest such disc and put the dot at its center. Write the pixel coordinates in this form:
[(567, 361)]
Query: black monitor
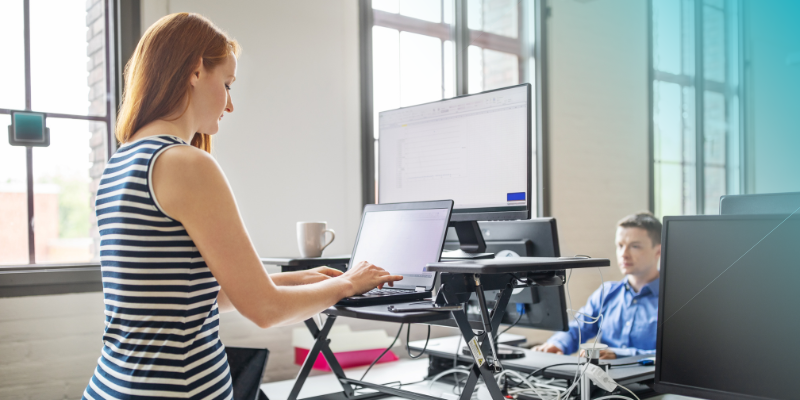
[(768, 203), (473, 149), (727, 304), (537, 307)]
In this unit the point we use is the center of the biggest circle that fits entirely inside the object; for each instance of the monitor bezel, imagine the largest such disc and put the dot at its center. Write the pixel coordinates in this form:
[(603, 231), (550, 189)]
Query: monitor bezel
[(508, 213), (676, 388)]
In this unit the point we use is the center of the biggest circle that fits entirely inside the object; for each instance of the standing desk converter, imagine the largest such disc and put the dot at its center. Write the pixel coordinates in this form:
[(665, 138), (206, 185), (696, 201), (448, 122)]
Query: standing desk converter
[(459, 279)]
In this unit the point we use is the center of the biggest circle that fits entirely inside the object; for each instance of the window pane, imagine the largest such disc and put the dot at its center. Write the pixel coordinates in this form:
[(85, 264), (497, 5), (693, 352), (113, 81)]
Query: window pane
[(475, 69), (667, 36), (422, 9), (449, 71), (392, 6), (669, 188), (475, 14), (715, 188), (715, 128), (12, 69), (61, 63), (714, 43), (385, 72), (499, 69), (420, 69), (13, 202), (689, 153), (687, 11), (668, 135), (500, 17), (64, 213)]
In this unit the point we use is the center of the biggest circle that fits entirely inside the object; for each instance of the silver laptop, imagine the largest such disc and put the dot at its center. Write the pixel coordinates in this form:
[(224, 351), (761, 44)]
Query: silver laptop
[(401, 238)]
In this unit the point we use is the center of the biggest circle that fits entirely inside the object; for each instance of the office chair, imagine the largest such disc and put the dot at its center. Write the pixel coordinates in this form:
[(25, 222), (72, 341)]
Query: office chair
[(247, 368)]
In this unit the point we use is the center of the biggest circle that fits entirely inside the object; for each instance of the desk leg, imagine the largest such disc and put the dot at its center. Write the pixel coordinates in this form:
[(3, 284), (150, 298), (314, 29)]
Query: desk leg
[(482, 370), (320, 346)]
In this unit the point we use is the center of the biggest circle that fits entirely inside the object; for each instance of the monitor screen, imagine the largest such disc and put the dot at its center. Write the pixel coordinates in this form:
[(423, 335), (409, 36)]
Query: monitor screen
[(472, 149), (402, 242), (728, 299)]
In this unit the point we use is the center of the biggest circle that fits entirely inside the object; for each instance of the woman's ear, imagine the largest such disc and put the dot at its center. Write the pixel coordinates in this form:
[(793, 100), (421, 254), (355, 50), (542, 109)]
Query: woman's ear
[(196, 73)]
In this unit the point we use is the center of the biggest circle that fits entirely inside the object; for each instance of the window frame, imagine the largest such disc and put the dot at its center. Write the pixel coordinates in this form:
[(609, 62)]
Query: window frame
[(701, 84), (462, 37), (109, 119)]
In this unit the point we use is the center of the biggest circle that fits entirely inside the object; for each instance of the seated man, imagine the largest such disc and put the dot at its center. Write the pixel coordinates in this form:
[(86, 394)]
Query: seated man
[(629, 307)]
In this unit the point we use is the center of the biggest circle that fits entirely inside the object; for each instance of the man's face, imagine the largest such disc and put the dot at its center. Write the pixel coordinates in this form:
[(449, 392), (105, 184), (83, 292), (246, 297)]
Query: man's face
[(636, 254)]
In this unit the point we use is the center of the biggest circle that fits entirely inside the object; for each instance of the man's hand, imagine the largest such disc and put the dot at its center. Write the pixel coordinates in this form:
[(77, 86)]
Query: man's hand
[(604, 354), (548, 348), (318, 274)]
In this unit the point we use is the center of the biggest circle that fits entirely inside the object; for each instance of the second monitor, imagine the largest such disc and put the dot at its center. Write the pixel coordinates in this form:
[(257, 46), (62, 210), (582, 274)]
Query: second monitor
[(474, 149), (537, 307)]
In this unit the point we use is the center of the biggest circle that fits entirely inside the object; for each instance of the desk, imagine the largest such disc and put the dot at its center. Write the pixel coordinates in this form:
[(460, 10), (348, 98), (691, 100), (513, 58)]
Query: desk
[(289, 264), (446, 348), (458, 280), (406, 371)]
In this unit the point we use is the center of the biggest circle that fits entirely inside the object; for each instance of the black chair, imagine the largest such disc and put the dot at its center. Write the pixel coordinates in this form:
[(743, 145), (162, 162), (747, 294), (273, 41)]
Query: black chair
[(247, 369)]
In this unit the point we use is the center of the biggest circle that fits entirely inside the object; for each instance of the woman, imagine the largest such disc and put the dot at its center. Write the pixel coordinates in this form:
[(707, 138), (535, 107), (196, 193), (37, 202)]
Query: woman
[(174, 250)]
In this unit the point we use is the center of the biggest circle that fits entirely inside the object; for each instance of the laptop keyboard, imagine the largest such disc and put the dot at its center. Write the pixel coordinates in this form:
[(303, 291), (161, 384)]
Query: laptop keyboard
[(383, 292)]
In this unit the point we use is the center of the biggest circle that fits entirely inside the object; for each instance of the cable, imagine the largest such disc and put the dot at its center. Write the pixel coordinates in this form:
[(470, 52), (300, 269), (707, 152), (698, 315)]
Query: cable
[(511, 326), (526, 381), (408, 349), (629, 391), (579, 373), (384, 353), (447, 372), (458, 350)]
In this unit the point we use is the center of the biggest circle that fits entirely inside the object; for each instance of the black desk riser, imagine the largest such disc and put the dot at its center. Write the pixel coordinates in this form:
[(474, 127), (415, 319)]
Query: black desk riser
[(459, 279)]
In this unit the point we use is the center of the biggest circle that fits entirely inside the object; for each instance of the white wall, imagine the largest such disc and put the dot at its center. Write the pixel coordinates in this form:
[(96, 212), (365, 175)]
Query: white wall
[(49, 345), (291, 149), (598, 110)]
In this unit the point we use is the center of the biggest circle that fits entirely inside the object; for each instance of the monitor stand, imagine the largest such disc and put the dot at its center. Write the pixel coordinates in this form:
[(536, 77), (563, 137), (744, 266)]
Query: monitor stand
[(471, 239)]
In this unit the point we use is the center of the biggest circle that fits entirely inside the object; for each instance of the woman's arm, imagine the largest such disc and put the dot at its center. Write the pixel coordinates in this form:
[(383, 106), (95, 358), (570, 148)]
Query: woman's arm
[(284, 279), (191, 188)]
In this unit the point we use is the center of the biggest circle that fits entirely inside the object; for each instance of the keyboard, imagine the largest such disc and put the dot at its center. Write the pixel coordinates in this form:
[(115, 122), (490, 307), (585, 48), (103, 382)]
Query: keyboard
[(384, 292)]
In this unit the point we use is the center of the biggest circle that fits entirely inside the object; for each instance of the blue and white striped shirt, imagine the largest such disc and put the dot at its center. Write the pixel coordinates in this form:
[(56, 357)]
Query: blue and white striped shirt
[(162, 322)]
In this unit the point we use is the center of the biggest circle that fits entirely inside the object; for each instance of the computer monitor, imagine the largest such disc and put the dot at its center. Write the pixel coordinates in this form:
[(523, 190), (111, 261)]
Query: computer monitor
[(537, 307), (768, 203), (473, 149), (726, 325)]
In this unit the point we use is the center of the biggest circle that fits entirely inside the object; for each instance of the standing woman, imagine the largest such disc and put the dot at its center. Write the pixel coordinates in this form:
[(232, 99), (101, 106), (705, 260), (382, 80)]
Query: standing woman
[(173, 248)]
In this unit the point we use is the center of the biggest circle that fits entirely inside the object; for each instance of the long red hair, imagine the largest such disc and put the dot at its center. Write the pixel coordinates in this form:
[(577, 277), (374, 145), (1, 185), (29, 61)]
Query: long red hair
[(157, 75)]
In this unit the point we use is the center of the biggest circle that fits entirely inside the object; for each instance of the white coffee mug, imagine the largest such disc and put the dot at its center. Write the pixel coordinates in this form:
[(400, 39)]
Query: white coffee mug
[(311, 238)]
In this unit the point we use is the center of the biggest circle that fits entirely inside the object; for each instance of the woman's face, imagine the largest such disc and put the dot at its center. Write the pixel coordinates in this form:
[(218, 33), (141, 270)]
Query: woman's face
[(211, 96)]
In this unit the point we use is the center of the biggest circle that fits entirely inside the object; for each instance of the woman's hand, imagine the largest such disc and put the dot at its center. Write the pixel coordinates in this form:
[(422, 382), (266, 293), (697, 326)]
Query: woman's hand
[(365, 277), (318, 274)]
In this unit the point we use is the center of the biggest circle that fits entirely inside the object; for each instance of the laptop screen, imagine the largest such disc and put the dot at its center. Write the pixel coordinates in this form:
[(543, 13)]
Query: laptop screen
[(402, 242)]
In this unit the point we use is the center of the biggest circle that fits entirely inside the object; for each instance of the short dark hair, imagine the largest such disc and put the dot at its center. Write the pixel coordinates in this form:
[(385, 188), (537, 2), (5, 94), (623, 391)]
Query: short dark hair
[(644, 220)]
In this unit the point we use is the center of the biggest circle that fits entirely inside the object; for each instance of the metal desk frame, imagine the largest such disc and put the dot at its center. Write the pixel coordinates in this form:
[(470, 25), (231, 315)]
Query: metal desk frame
[(455, 289)]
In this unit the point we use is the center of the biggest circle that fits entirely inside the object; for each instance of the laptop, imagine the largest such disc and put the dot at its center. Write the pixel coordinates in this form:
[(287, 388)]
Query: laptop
[(401, 238)]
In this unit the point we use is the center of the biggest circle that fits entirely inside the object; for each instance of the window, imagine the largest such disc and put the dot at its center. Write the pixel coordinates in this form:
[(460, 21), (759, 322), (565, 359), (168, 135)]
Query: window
[(696, 105), (58, 64), (418, 51)]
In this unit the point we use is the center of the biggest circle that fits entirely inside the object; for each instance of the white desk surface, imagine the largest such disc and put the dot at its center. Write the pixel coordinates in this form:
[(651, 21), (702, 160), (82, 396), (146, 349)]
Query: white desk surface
[(406, 371)]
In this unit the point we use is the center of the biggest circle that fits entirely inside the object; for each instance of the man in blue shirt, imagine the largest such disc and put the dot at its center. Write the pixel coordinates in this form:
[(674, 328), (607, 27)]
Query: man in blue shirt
[(629, 307)]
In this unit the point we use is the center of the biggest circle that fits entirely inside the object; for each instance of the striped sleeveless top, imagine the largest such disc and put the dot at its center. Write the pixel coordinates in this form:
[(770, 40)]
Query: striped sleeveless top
[(162, 322)]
